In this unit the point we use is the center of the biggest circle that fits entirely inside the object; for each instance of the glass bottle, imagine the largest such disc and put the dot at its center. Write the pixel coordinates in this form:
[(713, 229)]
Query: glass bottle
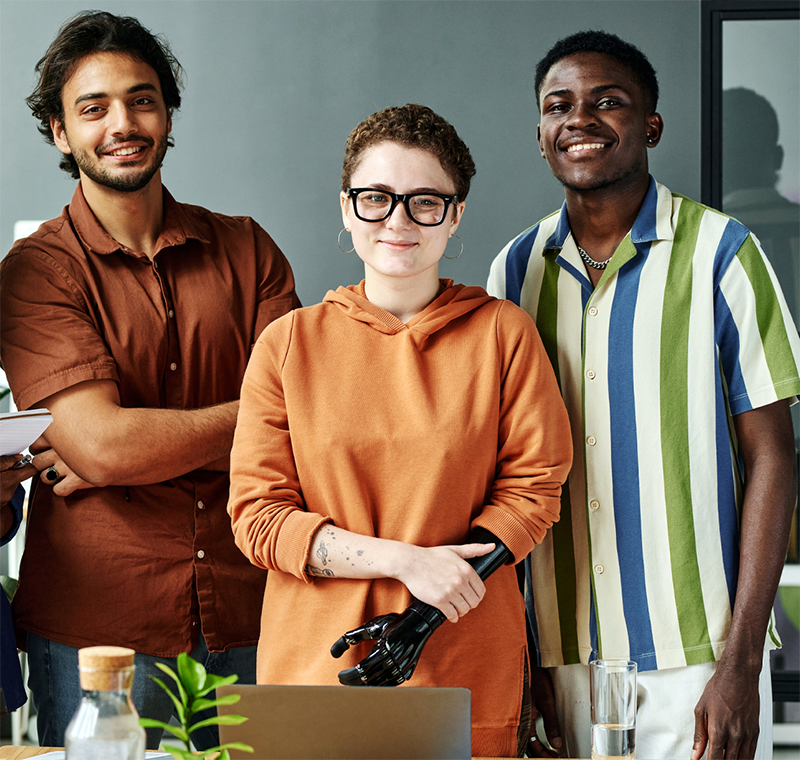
[(106, 725)]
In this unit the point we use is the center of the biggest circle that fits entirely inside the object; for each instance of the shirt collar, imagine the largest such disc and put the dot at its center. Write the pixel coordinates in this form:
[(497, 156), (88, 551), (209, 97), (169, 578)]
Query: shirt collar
[(178, 225), (653, 222)]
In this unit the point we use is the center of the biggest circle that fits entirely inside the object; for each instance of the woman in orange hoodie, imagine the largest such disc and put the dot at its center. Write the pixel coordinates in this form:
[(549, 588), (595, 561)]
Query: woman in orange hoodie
[(380, 429)]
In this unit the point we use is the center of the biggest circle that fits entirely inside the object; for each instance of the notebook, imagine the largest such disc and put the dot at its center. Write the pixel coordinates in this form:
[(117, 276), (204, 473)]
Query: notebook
[(349, 722)]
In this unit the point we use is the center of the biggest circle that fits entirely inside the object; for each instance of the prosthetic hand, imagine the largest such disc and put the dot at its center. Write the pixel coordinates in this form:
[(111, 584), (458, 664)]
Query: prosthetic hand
[(401, 637)]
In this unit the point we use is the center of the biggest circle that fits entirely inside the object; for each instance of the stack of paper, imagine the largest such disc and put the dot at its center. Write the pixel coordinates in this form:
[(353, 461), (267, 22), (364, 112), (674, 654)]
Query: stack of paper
[(18, 430)]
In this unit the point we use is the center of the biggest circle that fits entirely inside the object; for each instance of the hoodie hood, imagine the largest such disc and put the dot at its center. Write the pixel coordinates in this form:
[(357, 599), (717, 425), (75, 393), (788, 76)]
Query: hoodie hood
[(452, 302)]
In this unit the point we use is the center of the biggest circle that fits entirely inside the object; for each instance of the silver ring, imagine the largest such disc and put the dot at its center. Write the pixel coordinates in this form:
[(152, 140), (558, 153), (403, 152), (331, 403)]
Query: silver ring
[(51, 474)]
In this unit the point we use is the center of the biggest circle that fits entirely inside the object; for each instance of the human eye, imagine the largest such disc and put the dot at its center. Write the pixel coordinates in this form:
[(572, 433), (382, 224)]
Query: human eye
[(426, 201), (556, 107), (92, 111), (373, 197), (609, 102)]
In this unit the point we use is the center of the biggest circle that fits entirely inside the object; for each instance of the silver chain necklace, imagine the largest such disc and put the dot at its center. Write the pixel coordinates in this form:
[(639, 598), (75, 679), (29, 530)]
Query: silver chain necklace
[(590, 261)]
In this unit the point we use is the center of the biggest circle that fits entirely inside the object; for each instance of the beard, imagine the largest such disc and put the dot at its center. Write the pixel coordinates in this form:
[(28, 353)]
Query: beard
[(129, 179), (600, 182)]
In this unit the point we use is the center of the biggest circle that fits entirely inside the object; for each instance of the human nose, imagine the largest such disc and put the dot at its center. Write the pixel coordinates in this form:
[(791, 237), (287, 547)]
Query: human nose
[(582, 116), (404, 219), (122, 119)]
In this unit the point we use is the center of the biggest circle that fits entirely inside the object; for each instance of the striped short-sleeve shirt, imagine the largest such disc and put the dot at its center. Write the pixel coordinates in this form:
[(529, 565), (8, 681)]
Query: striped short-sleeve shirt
[(686, 328)]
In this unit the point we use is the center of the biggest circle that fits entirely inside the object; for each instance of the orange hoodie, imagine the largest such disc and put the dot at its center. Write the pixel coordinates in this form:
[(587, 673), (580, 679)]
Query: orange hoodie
[(414, 432)]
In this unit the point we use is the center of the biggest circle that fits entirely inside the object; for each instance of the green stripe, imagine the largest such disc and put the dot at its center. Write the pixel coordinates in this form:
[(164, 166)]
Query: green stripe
[(769, 316), (563, 549), (674, 372)]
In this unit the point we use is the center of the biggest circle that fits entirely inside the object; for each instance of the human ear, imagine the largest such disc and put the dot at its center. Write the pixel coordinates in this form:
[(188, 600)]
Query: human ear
[(655, 128), (539, 140), (59, 135), (457, 214), (343, 199)]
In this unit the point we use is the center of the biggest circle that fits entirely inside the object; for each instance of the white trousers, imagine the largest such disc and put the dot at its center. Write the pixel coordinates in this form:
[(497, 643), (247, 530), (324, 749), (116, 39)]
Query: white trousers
[(665, 712)]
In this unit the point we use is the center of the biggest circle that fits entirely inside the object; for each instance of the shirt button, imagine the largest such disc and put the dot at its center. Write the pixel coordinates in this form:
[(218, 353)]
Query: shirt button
[(173, 366), (592, 311), (599, 569), (171, 313), (591, 440), (201, 554), (594, 504), (590, 373), (200, 505)]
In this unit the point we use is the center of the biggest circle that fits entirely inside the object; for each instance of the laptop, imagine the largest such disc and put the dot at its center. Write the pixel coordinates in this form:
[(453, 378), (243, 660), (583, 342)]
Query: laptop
[(349, 722)]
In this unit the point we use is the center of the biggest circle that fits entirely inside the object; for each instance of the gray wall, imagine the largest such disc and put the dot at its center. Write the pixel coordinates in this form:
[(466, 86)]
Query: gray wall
[(275, 87)]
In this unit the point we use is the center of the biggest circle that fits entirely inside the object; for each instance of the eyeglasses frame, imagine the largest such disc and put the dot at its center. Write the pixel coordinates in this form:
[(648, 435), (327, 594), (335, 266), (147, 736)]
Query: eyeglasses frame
[(352, 192)]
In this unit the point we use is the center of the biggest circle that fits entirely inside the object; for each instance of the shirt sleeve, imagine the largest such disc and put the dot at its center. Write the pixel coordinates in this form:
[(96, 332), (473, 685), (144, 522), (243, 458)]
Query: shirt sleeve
[(48, 339), (276, 293), (16, 503), (270, 523), (534, 442), (757, 339)]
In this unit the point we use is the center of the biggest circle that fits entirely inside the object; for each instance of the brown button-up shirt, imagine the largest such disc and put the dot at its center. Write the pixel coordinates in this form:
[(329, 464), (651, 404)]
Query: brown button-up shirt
[(139, 566)]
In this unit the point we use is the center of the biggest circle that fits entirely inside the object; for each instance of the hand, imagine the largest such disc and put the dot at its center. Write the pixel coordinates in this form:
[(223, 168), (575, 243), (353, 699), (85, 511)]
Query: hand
[(55, 472), (441, 577), (726, 717), (544, 704), (400, 639), (11, 478)]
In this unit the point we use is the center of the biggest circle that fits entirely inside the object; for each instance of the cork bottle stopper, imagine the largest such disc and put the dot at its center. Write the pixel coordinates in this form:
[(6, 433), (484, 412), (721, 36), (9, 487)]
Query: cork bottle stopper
[(106, 668)]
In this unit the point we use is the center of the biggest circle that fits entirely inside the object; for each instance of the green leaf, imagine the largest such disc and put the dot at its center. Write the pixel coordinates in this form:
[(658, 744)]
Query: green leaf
[(219, 720), (151, 723), (180, 754), (192, 673), (179, 732), (236, 745), (179, 707), (198, 705), (174, 676), (213, 681)]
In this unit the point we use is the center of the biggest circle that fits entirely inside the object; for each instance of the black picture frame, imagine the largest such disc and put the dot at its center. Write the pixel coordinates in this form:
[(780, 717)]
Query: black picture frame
[(713, 14)]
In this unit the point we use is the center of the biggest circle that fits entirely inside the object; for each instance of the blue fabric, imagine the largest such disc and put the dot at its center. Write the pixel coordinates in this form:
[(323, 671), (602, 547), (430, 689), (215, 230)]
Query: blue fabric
[(10, 673), (56, 690)]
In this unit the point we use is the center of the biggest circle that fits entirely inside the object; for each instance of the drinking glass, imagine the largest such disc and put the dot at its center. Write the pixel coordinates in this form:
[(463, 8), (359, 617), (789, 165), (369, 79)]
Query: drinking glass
[(613, 700)]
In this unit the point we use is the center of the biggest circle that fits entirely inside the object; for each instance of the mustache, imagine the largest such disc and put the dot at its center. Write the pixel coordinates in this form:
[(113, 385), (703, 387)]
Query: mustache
[(120, 141)]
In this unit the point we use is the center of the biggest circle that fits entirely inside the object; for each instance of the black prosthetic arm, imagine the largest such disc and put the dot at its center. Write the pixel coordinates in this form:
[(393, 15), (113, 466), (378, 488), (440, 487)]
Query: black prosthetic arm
[(400, 638)]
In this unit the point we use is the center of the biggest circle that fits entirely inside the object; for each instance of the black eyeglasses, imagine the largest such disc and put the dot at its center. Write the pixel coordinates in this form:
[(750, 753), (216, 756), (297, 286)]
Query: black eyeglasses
[(426, 209)]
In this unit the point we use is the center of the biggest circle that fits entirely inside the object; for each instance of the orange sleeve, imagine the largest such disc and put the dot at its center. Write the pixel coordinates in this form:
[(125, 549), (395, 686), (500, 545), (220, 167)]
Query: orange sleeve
[(534, 444), (270, 523)]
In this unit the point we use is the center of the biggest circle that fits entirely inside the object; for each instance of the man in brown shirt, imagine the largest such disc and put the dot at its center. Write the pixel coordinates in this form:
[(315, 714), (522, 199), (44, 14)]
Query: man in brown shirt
[(131, 318)]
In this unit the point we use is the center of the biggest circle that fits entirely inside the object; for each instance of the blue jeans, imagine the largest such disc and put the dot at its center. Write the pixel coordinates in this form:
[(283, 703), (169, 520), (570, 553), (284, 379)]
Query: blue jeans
[(56, 691)]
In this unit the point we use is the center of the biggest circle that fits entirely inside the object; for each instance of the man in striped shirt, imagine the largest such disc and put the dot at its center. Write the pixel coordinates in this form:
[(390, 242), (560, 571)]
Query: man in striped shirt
[(677, 360)]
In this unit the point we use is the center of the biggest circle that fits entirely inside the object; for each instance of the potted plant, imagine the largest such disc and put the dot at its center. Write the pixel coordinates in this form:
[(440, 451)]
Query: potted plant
[(194, 683)]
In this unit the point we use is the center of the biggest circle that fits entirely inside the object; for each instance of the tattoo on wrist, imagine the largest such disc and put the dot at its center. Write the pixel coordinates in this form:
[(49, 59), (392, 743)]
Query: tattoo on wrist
[(321, 572), (322, 552)]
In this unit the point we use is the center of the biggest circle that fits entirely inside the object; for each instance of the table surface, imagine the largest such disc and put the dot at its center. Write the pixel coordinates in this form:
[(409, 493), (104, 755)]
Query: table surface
[(19, 753)]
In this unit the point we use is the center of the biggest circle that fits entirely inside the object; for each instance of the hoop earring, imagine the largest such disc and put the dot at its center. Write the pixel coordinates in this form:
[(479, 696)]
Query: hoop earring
[(339, 240), (453, 258)]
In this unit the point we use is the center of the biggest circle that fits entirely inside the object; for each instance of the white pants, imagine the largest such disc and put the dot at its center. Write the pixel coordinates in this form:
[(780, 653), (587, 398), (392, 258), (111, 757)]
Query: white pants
[(665, 712)]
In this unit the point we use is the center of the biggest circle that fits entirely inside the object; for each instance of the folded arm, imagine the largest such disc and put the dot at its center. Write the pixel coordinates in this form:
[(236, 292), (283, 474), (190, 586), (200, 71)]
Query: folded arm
[(103, 443)]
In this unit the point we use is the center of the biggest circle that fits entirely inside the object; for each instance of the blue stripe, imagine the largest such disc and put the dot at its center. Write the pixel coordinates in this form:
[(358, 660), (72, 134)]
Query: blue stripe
[(581, 276), (517, 263), (731, 241), (625, 457), (726, 335), (644, 228), (726, 493)]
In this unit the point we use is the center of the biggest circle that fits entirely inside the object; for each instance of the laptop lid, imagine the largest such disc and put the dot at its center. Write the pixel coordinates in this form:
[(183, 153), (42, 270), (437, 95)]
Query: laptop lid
[(354, 723)]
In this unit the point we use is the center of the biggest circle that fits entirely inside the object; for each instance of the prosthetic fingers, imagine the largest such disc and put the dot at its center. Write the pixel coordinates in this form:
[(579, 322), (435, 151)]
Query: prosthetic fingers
[(400, 637)]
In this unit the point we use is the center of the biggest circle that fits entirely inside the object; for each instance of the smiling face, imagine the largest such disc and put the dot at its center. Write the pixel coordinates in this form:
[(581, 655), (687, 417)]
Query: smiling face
[(594, 128), (115, 124), (397, 247)]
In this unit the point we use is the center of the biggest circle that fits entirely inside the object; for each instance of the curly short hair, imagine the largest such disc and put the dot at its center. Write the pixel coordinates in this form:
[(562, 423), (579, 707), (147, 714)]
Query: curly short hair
[(98, 32), (594, 41), (414, 126)]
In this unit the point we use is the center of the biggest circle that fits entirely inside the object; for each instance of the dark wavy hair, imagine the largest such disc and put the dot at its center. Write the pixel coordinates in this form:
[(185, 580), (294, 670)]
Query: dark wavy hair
[(594, 41), (414, 126), (98, 32)]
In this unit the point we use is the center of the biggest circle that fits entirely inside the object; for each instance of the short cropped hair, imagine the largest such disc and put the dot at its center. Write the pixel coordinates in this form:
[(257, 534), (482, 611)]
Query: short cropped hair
[(414, 126), (98, 32), (594, 41)]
